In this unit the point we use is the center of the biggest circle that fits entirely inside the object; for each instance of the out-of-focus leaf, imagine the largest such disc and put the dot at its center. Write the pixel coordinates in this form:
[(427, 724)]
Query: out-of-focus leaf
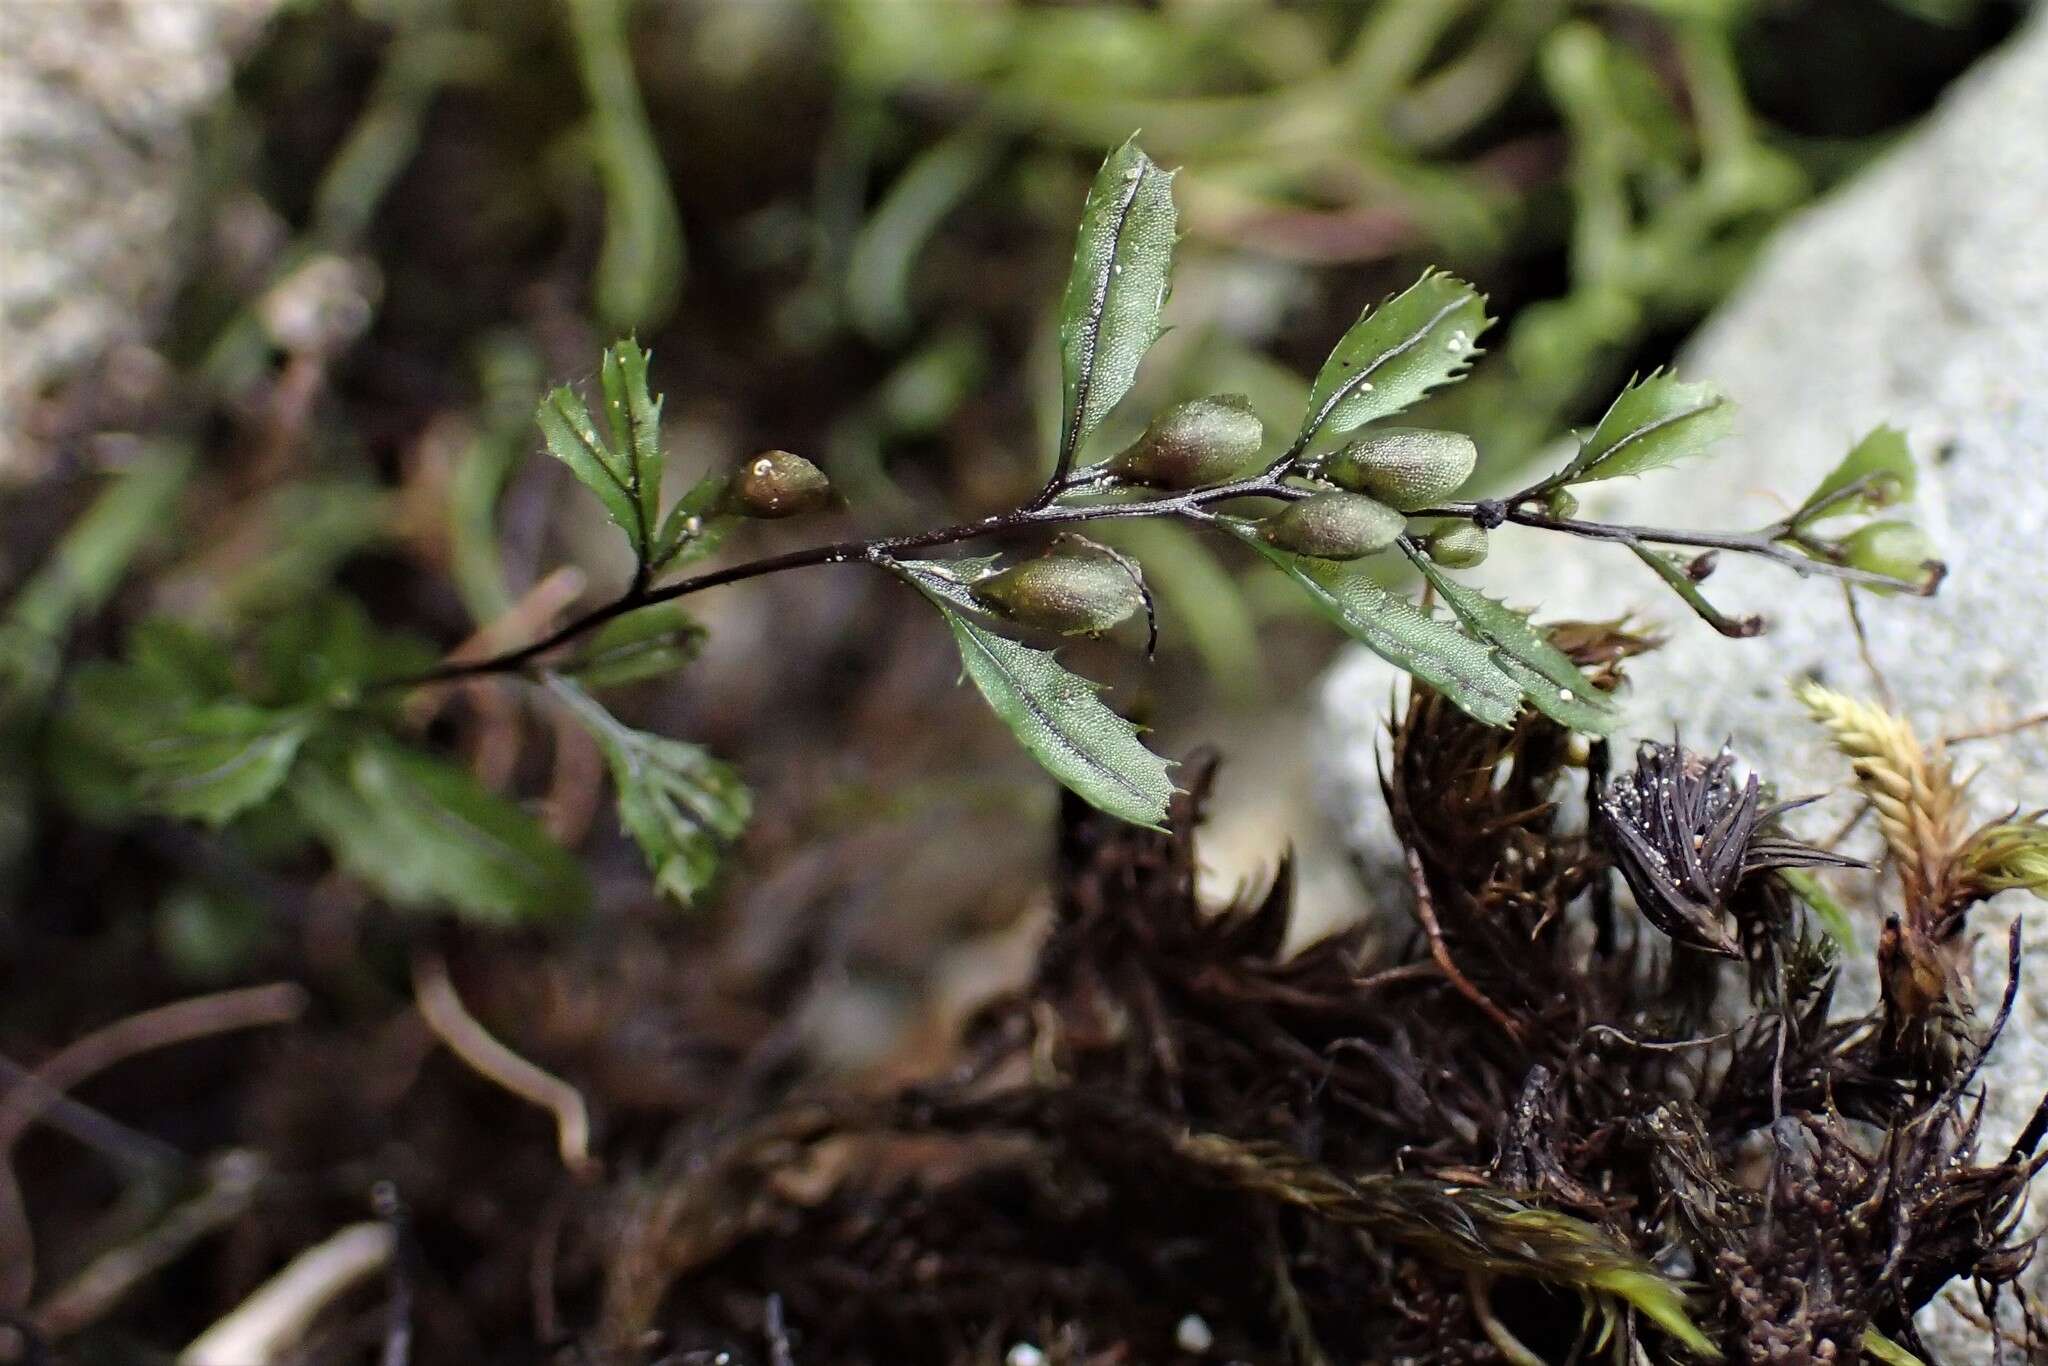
[(1056, 715), (1401, 633), (885, 250), (113, 709), (1394, 354), (94, 553), (326, 649), (640, 645), (1829, 912), (1656, 421), (209, 935), (1881, 463), (640, 267), (510, 373), (1552, 683), (427, 836), (1109, 317), (204, 758), (680, 805), (1897, 550), (694, 527), (288, 544)]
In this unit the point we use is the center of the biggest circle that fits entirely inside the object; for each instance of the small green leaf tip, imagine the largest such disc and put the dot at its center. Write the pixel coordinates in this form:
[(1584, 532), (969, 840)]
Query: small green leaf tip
[(1334, 526), (1404, 467), (1075, 588), (1194, 444), (777, 484)]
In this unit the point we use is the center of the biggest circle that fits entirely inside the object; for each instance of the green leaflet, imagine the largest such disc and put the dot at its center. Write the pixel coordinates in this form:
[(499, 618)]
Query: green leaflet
[(426, 835), (1656, 421), (1056, 715), (634, 416), (1552, 683), (566, 426), (1401, 633), (637, 646), (624, 472), (1109, 316), (680, 805), (1881, 462), (1394, 354)]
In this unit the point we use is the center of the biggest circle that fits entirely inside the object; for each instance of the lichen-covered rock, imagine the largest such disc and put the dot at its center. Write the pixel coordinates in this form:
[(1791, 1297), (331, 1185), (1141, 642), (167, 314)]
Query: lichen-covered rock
[(96, 101), (1917, 296)]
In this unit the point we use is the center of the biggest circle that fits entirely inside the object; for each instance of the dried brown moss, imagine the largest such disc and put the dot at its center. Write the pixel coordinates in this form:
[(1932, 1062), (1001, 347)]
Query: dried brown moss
[(1541, 1128)]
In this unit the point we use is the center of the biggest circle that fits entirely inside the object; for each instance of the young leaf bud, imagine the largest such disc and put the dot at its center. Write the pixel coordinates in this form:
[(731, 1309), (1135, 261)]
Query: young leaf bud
[(778, 484), (1562, 504), (1075, 588), (1897, 549), (1194, 444), (1457, 546), (1404, 467), (1335, 526)]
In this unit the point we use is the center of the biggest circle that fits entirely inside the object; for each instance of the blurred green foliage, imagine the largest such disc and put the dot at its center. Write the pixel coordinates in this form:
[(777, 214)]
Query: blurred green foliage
[(840, 224)]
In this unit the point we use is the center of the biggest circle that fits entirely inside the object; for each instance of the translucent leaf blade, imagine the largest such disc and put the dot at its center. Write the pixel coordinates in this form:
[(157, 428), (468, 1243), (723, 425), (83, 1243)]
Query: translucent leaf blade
[(1109, 316), (1401, 633), (1880, 467), (573, 439), (1056, 715), (634, 416), (1655, 422), (1552, 683), (1393, 355)]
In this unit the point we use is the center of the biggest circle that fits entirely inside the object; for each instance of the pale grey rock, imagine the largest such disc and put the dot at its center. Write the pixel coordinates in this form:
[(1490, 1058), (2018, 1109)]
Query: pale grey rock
[(1918, 296), (96, 101)]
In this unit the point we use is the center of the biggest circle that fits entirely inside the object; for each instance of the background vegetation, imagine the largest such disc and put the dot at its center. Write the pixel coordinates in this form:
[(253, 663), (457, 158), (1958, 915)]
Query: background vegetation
[(840, 229)]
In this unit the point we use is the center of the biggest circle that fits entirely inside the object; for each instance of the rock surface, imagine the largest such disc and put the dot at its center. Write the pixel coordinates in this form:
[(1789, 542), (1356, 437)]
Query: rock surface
[(96, 99), (1917, 296)]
